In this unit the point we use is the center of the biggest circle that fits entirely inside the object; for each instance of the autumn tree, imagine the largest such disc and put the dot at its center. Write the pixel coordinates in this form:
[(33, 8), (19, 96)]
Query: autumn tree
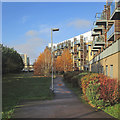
[(59, 64), (42, 66), (64, 62)]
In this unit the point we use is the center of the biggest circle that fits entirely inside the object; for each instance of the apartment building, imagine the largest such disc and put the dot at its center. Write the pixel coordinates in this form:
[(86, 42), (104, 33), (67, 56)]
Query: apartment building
[(104, 52), (78, 47), (26, 62)]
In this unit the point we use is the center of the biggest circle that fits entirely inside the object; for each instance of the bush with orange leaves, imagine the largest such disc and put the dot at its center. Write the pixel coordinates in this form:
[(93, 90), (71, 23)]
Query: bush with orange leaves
[(99, 89)]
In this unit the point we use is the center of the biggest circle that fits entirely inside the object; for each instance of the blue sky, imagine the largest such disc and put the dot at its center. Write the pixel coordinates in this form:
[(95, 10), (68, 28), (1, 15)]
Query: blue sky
[(26, 25)]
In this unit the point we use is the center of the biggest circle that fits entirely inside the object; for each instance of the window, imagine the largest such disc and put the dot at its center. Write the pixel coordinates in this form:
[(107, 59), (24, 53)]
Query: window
[(102, 69), (107, 70), (91, 53), (111, 71)]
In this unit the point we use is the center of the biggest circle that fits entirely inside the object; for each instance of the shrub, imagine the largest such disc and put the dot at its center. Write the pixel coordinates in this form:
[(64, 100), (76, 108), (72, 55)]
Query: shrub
[(86, 80), (108, 89), (99, 89), (69, 75)]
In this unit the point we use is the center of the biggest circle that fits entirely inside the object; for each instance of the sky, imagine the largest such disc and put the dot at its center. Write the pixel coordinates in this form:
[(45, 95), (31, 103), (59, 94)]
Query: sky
[(26, 26)]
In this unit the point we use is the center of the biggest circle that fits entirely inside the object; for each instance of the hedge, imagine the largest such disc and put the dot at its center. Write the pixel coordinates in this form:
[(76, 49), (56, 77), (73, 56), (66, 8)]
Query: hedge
[(100, 90)]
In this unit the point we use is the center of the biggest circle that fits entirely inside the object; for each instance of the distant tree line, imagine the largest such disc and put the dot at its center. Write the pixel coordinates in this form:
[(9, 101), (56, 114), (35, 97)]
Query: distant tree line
[(11, 60)]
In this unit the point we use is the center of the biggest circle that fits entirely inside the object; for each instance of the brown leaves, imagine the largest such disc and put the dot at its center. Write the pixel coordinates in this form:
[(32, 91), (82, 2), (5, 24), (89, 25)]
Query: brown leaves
[(43, 64), (64, 62)]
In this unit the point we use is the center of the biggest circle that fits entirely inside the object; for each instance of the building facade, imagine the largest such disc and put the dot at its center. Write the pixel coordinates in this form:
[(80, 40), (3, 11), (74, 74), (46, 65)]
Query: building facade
[(104, 51), (78, 47), (98, 51), (26, 62)]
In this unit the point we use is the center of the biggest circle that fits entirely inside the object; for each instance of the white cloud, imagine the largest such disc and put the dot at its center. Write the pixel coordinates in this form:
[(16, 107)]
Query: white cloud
[(31, 33), (30, 47), (79, 23), (44, 31)]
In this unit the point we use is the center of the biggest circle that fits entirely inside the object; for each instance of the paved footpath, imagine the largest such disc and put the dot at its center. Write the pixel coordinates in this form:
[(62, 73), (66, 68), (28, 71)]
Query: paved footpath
[(64, 105)]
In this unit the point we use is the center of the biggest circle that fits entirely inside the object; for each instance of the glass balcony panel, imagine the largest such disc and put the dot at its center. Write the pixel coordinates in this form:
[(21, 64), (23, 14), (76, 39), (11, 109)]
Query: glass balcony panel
[(112, 7), (111, 31), (98, 39), (101, 16)]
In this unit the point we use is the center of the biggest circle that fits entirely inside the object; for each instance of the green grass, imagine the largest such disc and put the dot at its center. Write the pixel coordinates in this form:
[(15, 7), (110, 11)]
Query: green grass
[(20, 87), (113, 110)]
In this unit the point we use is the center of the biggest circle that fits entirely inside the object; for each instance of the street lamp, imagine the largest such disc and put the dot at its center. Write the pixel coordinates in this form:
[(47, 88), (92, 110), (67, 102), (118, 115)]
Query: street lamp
[(52, 30)]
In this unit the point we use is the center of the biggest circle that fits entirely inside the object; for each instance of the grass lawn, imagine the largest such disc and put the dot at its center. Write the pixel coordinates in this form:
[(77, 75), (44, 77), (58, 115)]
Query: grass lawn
[(19, 87), (113, 110)]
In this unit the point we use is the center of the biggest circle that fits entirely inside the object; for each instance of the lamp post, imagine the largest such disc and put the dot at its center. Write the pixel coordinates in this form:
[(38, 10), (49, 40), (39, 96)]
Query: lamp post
[(52, 30)]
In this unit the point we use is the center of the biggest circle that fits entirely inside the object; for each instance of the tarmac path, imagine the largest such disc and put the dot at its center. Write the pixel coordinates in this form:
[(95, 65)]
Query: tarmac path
[(64, 105)]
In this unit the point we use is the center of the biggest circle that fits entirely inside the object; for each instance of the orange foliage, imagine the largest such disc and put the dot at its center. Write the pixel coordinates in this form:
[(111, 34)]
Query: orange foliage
[(59, 64), (64, 62), (43, 64)]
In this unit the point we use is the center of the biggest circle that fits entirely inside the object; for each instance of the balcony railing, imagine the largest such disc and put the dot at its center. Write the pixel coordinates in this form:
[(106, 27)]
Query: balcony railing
[(95, 33), (99, 40), (78, 48), (76, 57), (101, 16), (78, 42), (56, 54), (114, 6), (54, 49), (72, 44), (111, 31), (72, 51), (97, 27), (64, 44), (58, 47)]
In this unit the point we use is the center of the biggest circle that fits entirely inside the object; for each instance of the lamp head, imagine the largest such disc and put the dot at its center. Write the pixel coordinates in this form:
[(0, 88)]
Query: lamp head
[(55, 29)]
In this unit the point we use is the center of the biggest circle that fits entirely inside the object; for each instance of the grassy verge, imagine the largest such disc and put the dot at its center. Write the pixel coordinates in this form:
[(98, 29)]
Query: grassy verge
[(113, 110), (19, 87)]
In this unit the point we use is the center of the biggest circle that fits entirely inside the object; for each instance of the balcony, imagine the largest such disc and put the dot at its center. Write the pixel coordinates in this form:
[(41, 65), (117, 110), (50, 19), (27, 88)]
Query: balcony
[(95, 33), (78, 42), (72, 51), (95, 50), (110, 33), (54, 49), (66, 45), (98, 28), (76, 58), (62, 46), (101, 18), (115, 10), (56, 54), (58, 47), (80, 48), (98, 42), (72, 45)]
